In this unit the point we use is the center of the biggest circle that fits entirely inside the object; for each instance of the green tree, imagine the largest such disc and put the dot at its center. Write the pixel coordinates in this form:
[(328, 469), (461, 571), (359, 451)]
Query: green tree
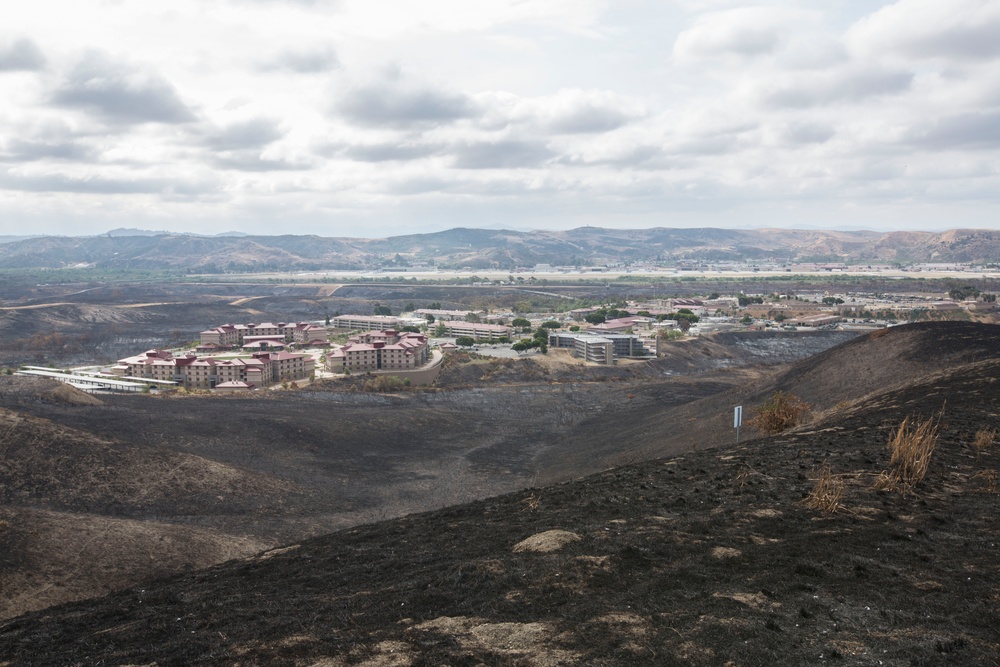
[(465, 341), (520, 323), (379, 309), (551, 324), (522, 345)]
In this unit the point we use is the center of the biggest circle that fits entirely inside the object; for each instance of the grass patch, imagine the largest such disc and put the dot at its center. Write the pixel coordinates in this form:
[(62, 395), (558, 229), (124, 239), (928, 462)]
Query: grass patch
[(911, 448), (985, 438), (828, 493)]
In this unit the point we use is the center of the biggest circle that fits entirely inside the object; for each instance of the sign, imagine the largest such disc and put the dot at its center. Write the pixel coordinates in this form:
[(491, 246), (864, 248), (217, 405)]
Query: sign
[(737, 421)]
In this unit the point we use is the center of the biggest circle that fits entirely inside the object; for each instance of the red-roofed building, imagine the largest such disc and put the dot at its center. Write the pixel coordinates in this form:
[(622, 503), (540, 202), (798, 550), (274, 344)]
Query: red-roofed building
[(380, 350), (229, 336), (263, 369)]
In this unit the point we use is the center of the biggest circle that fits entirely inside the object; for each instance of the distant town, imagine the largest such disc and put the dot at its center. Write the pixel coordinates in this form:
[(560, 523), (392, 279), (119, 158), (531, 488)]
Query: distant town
[(411, 345)]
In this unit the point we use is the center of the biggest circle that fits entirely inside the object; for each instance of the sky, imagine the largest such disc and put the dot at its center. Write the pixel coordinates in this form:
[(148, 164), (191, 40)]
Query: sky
[(371, 118)]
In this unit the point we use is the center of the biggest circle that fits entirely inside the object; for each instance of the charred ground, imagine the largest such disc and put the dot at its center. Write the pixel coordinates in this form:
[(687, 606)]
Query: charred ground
[(709, 557)]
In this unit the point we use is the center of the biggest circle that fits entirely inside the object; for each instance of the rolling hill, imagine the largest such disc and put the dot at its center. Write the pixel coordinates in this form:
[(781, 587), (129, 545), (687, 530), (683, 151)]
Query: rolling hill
[(503, 250)]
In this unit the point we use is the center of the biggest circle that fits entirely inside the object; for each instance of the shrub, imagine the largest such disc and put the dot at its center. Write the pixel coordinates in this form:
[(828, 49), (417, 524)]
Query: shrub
[(384, 383), (910, 454), (827, 493), (780, 412)]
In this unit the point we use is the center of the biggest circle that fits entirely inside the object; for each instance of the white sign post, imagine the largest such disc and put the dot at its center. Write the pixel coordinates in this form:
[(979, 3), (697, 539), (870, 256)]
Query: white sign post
[(737, 421)]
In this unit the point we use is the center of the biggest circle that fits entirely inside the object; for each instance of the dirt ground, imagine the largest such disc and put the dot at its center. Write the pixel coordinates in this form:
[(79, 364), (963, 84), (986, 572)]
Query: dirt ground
[(707, 558)]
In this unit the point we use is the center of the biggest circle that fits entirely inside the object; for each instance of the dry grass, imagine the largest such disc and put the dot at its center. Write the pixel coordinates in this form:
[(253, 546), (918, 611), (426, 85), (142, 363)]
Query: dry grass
[(828, 493), (985, 438), (989, 478), (780, 412), (911, 448)]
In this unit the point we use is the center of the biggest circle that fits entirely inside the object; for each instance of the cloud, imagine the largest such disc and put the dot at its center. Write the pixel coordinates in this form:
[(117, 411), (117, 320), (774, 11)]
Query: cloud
[(386, 152), (102, 185), (250, 160), (249, 133), (27, 150), (20, 55), (42, 140), (505, 154), (807, 132), (850, 84), (960, 29), (976, 130), (302, 61), (393, 102), (745, 32), (569, 111), (579, 112), (120, 92)]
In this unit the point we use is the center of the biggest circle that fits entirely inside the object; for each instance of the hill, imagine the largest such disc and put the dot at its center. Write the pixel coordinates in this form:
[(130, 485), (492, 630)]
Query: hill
[(502, 250), (706, 558)]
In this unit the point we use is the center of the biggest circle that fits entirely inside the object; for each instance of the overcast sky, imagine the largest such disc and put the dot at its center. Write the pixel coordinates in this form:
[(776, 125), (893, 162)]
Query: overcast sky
[(380, 117)]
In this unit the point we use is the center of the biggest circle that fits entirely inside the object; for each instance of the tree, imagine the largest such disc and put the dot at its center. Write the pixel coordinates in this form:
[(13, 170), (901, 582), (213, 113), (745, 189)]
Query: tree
[(520, 323), (574, 328), (465, 341), (551, 324), (963, 293), (472, 317), (832, 300), (595, 318), (382, 310), (522, 345), (440, 331), (410, 307), (429, 318), (713, 296), (780, 317), (746, 320)]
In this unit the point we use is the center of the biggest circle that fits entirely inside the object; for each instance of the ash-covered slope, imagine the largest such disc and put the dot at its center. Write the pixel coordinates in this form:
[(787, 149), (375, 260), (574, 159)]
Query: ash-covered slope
[(845, 373), (709, 558)]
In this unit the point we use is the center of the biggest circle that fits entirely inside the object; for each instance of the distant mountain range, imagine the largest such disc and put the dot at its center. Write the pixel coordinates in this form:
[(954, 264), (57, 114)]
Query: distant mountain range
[(480, 249)]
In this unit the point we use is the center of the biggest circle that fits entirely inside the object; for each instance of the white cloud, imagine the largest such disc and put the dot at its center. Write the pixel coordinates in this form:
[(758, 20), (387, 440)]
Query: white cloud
[(743, 32), (120, 92), (20, 54), (959, 29)]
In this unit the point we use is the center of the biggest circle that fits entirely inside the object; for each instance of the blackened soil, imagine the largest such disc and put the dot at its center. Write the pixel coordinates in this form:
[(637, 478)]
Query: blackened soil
[(708, 558)]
